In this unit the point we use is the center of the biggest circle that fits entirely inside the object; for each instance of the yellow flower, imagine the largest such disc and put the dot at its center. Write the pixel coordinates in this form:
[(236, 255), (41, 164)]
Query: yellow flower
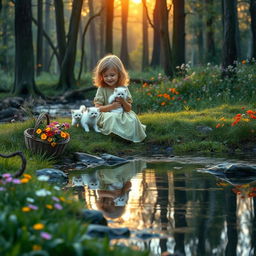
[(37, 247), (49, 139), (26, 209), (38, 226), (53, 144), (28, 176), (43, 136), (47, 129), (62, 199), (38, 131), (24, 180), (49, 206)]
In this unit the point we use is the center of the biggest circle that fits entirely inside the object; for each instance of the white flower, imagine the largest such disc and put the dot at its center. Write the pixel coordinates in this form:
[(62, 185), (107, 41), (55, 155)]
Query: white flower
[(56, 188), (30, 199), (43, 178), (43, 192)]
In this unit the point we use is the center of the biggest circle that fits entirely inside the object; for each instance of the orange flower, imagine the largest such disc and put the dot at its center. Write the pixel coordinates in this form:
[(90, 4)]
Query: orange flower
[(26, 209), (28, 176), (63, 135), (38, 226), (145, 85), (218, 125), (243, 61), (49, 206), (37, 247), (49, 139), (43, 136), (163, 103), (24, 180)]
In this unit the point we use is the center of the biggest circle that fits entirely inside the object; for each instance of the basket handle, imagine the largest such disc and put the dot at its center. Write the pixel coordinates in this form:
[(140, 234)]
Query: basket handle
[(39, 121)]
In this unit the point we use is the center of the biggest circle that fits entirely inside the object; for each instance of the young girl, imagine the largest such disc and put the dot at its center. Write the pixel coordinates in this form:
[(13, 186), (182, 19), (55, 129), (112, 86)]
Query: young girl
[(108, 75)]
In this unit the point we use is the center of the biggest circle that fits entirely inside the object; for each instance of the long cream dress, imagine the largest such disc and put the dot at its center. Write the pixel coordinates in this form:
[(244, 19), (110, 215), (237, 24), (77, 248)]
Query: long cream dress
[(125, 124)]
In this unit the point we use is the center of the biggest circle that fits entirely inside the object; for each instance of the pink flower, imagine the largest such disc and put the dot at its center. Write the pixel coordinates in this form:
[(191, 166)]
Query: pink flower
[(46, 235), (7, 175), (33, 207), (54, 198), (16, 181)]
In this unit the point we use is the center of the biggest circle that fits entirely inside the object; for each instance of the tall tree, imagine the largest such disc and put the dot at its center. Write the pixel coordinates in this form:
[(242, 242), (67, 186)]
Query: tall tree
[(93, 45), (24, 84), (124, 44), (253, 26), (39, 48), (60, 29), (210, 43), (155, 60), (178, 32), (47, 25), (109, 6), (102, 29), (67, 76), (165, 41), (229, 43), (145, 46)]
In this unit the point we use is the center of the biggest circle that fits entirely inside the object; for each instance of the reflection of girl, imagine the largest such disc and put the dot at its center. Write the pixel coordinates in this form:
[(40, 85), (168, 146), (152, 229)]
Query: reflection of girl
[(114, 188), (112, 202)]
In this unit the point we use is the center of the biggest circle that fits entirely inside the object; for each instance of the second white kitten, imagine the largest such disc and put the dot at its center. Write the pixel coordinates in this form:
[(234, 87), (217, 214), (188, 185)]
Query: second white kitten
[(119, 92)]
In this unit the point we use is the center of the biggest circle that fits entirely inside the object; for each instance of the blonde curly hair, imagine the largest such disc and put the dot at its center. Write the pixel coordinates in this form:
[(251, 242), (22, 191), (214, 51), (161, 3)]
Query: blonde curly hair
[(110, 62)]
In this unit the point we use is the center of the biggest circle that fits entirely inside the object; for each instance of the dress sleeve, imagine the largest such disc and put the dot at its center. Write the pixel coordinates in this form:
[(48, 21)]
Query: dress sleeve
[(129, 98), (99, 98)]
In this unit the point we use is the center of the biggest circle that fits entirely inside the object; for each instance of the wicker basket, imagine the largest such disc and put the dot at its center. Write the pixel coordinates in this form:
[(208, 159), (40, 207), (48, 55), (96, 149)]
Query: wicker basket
[(42, 147)]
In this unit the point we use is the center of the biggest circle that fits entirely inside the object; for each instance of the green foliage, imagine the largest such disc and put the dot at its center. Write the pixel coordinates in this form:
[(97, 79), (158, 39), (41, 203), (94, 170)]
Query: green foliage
[(197, 88)]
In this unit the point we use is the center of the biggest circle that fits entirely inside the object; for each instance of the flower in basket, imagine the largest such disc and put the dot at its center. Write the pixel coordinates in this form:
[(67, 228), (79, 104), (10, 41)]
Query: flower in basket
[(53, 132)]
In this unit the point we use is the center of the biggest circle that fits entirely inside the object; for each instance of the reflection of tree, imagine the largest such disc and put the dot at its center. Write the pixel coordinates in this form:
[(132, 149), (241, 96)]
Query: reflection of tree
[(179, 212), (253, 246), (162, 202), (230, 202)]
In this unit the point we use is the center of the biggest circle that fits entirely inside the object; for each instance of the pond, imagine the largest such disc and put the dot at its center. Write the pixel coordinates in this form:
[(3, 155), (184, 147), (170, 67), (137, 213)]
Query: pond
[(170, 205)]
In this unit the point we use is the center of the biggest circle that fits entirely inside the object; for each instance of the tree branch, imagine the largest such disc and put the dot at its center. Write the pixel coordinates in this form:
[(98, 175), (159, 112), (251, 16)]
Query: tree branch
[(83, 39), (148, 18), (49, 41)]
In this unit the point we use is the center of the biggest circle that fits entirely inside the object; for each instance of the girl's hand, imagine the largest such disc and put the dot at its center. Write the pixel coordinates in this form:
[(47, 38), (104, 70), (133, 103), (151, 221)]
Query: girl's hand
[(121, 100), (116, 105)]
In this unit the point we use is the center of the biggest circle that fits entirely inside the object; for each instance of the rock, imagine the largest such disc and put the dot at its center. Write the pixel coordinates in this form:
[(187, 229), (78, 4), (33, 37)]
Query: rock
[(55, 175), (233, 173), (8, 112), (146, 236), (88, 159), (204, 129), (113, 160), (103, 231), (93, 217)]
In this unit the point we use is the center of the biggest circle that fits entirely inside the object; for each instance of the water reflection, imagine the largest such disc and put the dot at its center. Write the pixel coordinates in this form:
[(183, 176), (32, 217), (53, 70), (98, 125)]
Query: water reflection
[(193, 213)]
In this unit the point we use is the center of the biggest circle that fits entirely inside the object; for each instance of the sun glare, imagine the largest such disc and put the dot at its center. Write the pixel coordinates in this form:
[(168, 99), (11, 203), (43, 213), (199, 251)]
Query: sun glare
[(136, 1)]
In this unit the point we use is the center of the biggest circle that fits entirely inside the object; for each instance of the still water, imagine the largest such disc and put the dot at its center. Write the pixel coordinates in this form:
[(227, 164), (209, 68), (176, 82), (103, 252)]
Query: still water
[(172, 206)]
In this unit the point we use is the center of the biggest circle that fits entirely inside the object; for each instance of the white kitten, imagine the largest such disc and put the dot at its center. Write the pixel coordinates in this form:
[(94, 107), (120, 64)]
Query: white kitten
[(77, 115), (89, 118), (120, 92), (86, 179)]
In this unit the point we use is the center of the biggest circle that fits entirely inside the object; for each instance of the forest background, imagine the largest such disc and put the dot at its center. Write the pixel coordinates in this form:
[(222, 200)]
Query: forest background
[(62, 40)]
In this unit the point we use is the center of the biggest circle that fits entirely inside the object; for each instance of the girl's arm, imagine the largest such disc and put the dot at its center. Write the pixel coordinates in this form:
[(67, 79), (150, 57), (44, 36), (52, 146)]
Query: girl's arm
[(125, 104), (108, 107)]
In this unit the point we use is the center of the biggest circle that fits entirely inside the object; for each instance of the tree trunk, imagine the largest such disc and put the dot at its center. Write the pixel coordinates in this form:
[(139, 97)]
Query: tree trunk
[(253, 26), (102, 28), (24, 84), (210, 44), (39, 48), (155, 60), (47, 25), (238, 39), (178, 32), (60, 29), (145, 48), (93, 45), (229, 43), (165, 41), (67, 76), (124, 45), (109, 26), (4, 59)]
